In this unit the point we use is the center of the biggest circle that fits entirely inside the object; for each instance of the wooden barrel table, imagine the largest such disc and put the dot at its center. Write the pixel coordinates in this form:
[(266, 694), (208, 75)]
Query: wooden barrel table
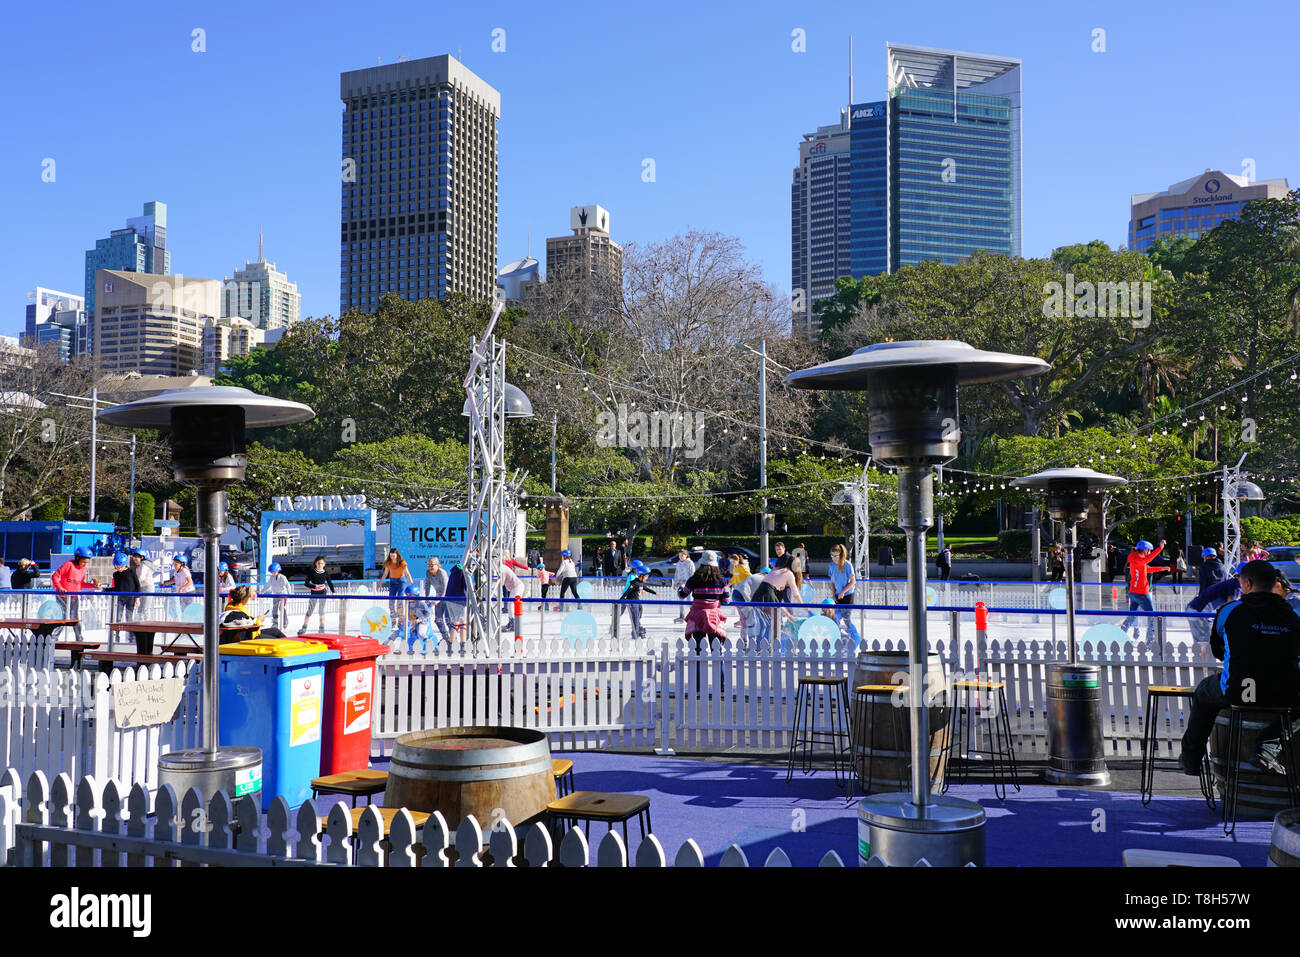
[(888, 750), (1260, 793), (1284, 849), (487, 772)]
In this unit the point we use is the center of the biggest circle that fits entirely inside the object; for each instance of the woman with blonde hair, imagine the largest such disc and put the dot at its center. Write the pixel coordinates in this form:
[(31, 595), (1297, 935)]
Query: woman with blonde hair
[(843, 581)]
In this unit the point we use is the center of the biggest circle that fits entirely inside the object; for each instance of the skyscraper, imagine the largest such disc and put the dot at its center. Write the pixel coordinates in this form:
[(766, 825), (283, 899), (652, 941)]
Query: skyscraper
[(954, 154), (419, 192), (153, 325), (588, 255), (1195, 206), (931, 173), (57, 318), (261, 294), (141, 246), (821, 214)]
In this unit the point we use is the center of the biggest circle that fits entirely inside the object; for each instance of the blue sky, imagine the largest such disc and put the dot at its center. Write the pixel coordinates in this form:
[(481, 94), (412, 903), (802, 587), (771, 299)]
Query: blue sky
[(246, 134)]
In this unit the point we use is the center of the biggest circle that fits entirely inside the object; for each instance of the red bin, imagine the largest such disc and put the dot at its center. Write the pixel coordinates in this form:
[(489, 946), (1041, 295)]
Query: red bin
[(349, 702)]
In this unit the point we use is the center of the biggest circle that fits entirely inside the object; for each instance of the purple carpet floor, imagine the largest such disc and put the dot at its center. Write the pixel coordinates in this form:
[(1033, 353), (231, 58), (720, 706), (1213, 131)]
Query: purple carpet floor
[(719, 804)]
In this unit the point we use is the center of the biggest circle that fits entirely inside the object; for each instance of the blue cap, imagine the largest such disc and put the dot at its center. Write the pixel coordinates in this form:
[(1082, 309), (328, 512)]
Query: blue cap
[(120, 558), (411, 590), (828, 601), (1208, 552), (566, 553), (81, 552), (1143, 545), (274, 567), (223, 567), (178, 557), (136, 551)]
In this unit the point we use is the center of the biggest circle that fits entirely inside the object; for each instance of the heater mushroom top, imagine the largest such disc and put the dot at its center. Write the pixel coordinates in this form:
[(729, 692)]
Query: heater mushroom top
[(971, 365)]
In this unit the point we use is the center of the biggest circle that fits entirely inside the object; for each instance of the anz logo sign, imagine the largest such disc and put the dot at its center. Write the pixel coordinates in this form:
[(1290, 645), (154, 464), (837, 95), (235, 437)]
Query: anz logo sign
[(867, 112)]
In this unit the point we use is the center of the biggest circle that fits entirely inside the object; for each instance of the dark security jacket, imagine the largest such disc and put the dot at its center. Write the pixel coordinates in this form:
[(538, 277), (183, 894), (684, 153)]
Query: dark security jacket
[(1258, 638)]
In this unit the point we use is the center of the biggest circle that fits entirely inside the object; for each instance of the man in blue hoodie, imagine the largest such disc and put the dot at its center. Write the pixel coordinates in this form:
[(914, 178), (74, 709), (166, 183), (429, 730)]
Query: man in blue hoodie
[(1212, 571)]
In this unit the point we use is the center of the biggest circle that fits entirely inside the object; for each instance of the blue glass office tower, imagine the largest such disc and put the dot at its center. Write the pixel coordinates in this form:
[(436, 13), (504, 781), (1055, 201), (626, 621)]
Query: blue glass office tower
[(869, 188), (954, 155), (932, 173), (140, 247)]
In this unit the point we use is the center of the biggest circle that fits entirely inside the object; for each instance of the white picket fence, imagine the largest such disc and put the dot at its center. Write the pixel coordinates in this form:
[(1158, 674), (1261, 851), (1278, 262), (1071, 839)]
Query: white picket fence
[(55, 721), (727, 697), (26, 649), (601, 695), (108, 825)]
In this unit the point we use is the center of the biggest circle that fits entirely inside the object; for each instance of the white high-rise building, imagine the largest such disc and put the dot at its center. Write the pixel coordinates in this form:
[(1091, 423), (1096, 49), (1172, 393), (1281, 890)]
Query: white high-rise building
[(226, 338), (261, 294)]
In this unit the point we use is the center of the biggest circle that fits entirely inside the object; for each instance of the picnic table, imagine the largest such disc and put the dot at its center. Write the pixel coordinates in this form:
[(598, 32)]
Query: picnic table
[(40, 627), (108, 659), (143, 628), (77, 648)]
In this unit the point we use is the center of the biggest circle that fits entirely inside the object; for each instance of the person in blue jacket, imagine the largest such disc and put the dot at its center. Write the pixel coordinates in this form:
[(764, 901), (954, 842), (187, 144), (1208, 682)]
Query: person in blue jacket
[(1258, 639)]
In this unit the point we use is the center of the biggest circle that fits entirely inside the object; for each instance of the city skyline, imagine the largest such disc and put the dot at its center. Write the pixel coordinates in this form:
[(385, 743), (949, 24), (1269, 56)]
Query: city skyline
[(639, 141)]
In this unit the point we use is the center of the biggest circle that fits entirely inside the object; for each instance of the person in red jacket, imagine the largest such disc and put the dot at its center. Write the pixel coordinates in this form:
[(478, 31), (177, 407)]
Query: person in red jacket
[(1139, 587), (69, 580)]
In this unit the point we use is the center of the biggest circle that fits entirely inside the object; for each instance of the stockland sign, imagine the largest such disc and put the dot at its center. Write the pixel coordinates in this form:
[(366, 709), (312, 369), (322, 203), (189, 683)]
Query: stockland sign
[(420, 536)]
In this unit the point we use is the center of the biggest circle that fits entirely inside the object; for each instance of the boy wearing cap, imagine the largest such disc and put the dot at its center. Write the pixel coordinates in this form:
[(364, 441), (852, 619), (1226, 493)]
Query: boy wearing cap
[(1139, 587), (278, 584), (125, 583), (635, 586)]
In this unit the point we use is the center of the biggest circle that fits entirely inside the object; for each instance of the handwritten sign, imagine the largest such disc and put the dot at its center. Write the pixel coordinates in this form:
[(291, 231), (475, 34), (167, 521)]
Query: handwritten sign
[(137, 704)]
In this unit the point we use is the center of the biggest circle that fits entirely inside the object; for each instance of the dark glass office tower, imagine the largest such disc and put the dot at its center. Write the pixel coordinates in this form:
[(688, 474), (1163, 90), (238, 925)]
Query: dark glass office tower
[(419, 191)]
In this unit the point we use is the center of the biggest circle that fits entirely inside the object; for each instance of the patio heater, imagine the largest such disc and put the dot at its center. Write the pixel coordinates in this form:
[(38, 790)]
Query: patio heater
[(207, 426), (1075, 754), (913, 427)]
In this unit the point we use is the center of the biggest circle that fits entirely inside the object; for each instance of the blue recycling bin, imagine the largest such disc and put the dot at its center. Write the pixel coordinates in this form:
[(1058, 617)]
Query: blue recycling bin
[(272, 695)]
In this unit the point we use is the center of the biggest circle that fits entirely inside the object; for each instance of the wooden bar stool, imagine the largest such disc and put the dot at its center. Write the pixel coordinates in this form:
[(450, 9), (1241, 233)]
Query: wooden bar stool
[(1236, 715), (562, 769), (864, 699), (802, 735), (365, 781), (1001, 751), (1149, 747), (588, 806)]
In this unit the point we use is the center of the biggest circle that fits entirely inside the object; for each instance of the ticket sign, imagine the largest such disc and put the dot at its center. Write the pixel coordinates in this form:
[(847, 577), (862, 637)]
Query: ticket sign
[(422, 535), (306, 701)]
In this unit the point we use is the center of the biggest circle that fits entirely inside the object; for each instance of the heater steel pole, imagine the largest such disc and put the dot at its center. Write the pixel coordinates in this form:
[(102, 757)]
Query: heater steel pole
[(916, 514)]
